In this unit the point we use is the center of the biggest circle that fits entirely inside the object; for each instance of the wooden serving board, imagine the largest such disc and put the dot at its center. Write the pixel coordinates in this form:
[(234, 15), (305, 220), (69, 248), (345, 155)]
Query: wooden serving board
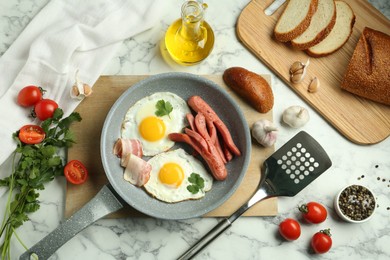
[(360, 120), (94, 109)]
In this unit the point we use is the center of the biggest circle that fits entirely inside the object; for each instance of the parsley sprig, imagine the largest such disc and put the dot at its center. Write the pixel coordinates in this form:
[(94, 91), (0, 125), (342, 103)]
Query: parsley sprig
[(33, 166), (163, 108), (197, 183)]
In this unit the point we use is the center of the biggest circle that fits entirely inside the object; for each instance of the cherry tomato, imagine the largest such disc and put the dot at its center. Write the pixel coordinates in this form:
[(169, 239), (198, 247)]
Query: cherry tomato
[(290, 229), (45, 108), (31, 134), (313, 212), (321, 241), (29, 96), (75, 172)]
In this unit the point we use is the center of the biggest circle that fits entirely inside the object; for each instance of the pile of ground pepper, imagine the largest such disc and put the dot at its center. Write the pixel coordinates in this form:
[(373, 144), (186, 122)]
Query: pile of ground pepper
[(356, 202)]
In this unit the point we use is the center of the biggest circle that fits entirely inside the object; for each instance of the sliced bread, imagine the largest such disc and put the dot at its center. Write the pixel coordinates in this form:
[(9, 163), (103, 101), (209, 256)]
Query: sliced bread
[(342, 30), (295, 19), (321, 24)]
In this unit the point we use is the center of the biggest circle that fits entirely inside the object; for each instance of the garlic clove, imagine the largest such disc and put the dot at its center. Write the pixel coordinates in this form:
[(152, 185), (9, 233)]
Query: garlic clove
[(87, 90), (296, 116), (298, 71), (264, 132), (314, 85), (80, 90)]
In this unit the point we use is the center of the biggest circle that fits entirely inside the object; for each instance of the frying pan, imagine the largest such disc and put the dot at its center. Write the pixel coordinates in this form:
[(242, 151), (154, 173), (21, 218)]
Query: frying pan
[(114, 195)]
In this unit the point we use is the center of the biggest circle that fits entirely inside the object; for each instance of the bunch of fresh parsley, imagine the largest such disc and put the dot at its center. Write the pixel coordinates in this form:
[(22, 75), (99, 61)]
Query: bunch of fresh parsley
[(33, 166)]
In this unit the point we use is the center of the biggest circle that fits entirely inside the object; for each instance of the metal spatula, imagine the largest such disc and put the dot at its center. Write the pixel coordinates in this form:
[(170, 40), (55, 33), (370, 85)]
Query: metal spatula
[(285, 173)]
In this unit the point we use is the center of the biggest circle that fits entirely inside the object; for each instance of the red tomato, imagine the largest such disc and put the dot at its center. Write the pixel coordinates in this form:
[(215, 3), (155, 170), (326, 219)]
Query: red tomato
[(31, 134), (321, 242), (314, 212), (29, 96), (290, 229), (75, 172), (45, 108)]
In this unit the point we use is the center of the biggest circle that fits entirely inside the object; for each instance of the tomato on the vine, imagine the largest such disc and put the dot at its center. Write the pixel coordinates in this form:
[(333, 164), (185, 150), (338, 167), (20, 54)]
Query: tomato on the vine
[(31, 134), (29, 95), (313, 212), (45, 108), (290, 229), (321, 241), (75, 172)]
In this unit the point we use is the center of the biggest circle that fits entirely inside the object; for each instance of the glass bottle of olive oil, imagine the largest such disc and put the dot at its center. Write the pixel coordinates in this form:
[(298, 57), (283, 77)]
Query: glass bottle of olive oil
[(190, 39)]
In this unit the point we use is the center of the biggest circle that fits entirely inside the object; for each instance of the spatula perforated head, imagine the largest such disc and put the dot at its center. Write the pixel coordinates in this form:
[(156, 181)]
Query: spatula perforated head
[(295, 165)]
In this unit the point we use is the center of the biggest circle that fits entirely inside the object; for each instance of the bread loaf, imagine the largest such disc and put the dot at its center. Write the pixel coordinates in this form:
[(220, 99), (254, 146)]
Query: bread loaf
[(368, 72), (295, 19), (251, 87), (342, 30), (321, 24)]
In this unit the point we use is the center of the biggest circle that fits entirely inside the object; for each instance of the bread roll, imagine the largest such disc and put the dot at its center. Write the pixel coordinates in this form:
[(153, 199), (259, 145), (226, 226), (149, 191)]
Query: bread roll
[(368, 72), (251, 87)]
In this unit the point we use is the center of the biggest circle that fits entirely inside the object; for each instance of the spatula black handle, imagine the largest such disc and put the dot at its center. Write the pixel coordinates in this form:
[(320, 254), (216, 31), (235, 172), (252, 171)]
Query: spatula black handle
[(207, 239), (259, 195)]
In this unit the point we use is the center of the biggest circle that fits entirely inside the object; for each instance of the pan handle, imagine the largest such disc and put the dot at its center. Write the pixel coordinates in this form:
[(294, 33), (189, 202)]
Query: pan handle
[(104, 203)]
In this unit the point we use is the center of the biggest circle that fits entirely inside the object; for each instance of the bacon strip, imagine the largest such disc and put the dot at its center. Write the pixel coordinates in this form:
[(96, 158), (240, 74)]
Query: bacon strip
[(200, 106), (125, 146), (137, 171)]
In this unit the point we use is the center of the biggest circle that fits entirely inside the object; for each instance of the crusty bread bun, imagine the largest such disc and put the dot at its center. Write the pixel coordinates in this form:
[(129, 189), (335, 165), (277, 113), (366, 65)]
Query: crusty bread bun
[(368, 72), (295, 19), (251, 87), (321, 24), (342, 30)]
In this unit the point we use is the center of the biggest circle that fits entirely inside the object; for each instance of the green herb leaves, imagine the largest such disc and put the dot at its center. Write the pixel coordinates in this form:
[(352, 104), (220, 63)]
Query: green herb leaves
[(163, 108), (33, 166), (197, 183)]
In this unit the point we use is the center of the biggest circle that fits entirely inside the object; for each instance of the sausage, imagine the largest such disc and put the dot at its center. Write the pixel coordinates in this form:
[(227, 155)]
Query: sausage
[(191, 119), (214, 138), (200, 123), (215, 164), (200, 106)]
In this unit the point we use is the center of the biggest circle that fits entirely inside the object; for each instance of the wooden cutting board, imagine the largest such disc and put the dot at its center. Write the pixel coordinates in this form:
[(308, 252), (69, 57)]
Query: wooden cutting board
[(360, 120), (87, 149)]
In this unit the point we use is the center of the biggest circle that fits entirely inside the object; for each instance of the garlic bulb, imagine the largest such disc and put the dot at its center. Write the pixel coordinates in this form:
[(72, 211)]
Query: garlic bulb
[(264, 132), (79, 89), (296, 116)]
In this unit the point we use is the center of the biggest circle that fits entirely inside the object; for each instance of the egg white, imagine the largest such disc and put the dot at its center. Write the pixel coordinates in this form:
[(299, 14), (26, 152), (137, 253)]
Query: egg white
[(146, 107), (189, 164)]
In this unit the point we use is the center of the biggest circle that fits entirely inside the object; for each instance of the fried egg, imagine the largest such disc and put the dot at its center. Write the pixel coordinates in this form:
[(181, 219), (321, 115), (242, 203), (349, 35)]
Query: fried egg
[(170, 174), (142, 123)]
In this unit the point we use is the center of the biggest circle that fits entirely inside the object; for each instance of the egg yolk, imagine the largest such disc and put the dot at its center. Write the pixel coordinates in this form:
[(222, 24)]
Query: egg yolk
[(152, 128), (171, 174)]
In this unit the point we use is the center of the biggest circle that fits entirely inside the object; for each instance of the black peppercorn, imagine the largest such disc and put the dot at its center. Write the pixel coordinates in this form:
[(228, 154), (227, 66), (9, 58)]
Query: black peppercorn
[(356, 202)]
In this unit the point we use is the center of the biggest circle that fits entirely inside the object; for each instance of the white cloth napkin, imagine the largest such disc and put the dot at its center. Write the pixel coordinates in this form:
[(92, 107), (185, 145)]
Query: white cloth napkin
[(65, 36)]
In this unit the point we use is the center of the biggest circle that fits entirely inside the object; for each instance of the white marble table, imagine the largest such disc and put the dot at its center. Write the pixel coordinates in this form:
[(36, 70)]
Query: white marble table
[(249, 237)]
